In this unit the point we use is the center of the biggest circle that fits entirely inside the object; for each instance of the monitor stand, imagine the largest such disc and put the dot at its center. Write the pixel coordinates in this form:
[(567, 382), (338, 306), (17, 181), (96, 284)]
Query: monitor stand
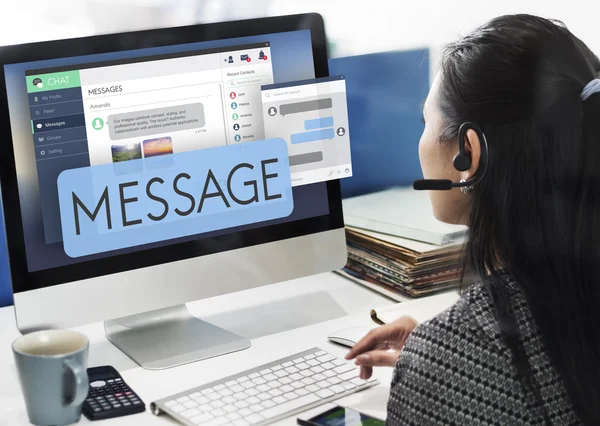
[(170, 337)]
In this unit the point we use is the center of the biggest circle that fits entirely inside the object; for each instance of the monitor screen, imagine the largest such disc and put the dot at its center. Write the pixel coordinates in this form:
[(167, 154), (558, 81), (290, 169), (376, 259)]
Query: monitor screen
[(75, 112)]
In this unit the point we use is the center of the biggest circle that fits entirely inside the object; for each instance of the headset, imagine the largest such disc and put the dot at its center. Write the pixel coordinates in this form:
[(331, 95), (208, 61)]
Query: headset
[(461, 162)]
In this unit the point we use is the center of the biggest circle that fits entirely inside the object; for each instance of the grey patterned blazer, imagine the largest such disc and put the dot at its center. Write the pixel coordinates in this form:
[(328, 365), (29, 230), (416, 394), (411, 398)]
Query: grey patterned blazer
[(455, 370)]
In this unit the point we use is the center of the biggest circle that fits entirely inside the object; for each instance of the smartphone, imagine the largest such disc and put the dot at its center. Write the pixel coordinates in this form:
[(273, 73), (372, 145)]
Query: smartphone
[(341, 416)]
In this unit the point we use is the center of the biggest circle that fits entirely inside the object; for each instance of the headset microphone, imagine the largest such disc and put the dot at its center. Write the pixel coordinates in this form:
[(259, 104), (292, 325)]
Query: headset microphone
[(461, 162)]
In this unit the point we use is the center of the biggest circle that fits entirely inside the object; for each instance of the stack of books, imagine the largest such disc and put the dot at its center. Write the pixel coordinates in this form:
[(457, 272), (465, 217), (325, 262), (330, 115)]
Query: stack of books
[(397, 247)]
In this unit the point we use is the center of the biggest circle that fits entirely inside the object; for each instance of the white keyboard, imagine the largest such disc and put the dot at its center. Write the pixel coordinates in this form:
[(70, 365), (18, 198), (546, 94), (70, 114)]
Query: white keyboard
[(267, 393)]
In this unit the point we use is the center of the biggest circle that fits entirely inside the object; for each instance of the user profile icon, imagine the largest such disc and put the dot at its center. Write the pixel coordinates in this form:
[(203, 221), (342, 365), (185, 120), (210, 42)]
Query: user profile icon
[(236, 127), (233, 105), (235, 116), (37, 82), (272, 111), (237, 138)]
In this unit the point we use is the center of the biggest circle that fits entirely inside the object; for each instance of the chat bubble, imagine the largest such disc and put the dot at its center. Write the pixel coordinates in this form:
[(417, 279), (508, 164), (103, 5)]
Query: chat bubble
[(305, 106), (318, 123), (315, 135), (152, 121)]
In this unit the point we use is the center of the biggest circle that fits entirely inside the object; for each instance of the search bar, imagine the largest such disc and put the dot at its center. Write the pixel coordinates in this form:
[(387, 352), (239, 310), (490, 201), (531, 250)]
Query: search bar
[(248, 81)]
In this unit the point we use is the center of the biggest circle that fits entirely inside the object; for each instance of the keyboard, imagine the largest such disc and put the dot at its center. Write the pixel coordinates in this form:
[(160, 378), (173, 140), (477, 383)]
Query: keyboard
[(268, 393)]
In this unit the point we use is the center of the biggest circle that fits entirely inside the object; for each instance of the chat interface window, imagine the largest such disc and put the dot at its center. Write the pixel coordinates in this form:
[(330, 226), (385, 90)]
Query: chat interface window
[(145, 108), (312, 116)]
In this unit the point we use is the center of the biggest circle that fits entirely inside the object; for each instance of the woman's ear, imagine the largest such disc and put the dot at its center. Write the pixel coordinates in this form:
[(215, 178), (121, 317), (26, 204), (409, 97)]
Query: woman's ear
[(473, 148)]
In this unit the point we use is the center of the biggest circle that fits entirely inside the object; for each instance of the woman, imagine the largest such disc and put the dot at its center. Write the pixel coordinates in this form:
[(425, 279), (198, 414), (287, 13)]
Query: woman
[(522, 345)]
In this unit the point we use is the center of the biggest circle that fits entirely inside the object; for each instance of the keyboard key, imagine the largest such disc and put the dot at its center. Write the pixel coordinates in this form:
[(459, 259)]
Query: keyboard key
[(188, 414), (334, 380), (259, 381), (253, 400), (202, 418), (286, 388), (358, 381), (275, 392), (292, 370), (313, 388), (297, 385), (171, 403), (307, 373), (344, 368), (337, 389), (268, 404), (311, 356), (291, 395), (328, 366), (324, 384), (276, 368), (248, 385), (279, 400), (285, 380), (275, 384), (281, 373), (225, 392), (231, 383), (216, 422), (205, 408), (177, 408), (319, 377), (312, 362), (214, 396), (348, 385), (254, 418), (229, 400), (264, 396), (241, 423), (202, 400), (207, 391), (287, 364), (236, 388), (317, 369), (194, 395), (245, 412), (301, 391), (180, 400), (298, 360), (320, 353), (257, 408), (265, 371), (302, 366), (325, 358), (217, 404), (241, 396), (348, 375), (218, 412), (229, 409), (241, 404), (330, 373), (295, 377), (190, 404), (233, 416), (324, 393), (254, 375), (338, 362), (288, 406), (252, 392), (270, 377), (243, 379)]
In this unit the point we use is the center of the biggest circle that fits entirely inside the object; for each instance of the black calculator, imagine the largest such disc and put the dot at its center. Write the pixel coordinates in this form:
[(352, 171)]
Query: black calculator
[(109, 396)]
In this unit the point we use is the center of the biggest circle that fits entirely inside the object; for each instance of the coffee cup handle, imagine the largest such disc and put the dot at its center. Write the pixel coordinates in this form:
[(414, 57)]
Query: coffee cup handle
[(81, 381)]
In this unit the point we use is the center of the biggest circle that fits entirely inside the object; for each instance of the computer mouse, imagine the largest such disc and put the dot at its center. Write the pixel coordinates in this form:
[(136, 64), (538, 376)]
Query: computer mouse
[(348, 336)]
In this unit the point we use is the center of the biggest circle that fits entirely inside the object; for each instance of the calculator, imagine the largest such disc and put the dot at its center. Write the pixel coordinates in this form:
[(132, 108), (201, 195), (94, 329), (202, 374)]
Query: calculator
[(109, 396)]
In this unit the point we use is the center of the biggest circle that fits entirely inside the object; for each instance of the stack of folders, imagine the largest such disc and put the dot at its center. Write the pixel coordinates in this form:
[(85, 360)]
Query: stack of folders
[(397, 247)]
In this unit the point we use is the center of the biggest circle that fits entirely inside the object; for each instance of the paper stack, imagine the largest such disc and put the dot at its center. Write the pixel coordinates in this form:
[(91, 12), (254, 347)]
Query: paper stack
[(397, 247)]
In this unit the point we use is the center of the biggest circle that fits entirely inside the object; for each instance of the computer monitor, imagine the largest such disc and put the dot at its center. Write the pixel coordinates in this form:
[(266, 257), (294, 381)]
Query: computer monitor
[(83, 103)]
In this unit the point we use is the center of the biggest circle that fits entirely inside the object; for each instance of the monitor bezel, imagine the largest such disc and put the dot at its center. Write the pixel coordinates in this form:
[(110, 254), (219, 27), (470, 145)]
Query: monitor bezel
[(22, 279)]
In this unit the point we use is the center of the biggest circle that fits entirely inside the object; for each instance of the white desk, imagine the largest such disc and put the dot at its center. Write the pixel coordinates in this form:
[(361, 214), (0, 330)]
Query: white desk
[(299, 314)]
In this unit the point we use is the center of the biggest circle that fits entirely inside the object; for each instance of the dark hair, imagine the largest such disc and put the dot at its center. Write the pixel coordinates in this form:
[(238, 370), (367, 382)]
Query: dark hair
[(536, 211)]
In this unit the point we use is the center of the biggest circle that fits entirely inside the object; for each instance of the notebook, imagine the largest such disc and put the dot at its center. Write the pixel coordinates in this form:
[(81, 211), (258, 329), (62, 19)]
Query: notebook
[(421, 310), (401, 212)]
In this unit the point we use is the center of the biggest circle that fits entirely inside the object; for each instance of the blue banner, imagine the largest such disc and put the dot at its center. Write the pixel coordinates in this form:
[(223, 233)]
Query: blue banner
[(141, 201)]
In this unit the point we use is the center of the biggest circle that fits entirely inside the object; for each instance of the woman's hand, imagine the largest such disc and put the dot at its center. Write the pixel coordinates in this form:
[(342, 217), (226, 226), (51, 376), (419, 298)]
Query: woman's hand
[(381, 346)]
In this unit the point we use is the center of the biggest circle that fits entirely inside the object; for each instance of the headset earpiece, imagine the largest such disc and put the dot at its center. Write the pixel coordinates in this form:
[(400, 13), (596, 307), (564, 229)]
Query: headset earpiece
[(462, 160)]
